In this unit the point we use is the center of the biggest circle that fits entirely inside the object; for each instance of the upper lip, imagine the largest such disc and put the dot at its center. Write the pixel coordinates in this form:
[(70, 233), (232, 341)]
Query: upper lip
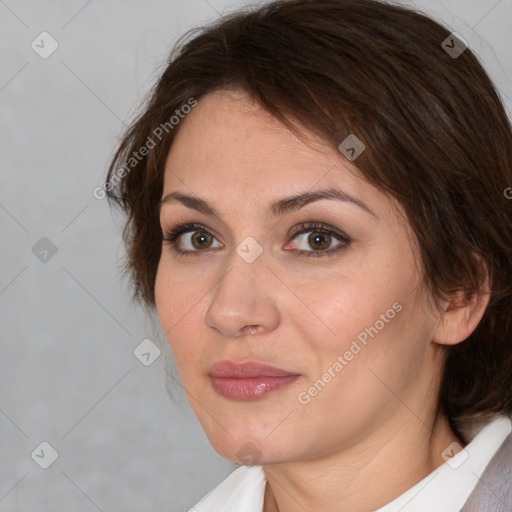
[(246, 370)]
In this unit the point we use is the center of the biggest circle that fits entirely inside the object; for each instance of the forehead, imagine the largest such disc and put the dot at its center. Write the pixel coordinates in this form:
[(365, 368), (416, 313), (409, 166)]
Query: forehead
[(231, 128), (230, 147)]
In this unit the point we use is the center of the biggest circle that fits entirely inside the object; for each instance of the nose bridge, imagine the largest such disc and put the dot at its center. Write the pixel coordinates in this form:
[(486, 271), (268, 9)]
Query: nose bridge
[(243, 296), (240, 278)]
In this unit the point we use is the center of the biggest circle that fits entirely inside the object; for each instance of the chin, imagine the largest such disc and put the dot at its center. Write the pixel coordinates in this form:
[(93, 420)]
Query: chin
[(254, 447)]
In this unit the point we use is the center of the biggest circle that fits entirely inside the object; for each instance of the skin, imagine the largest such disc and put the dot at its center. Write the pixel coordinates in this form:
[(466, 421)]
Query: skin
[(377, 421)]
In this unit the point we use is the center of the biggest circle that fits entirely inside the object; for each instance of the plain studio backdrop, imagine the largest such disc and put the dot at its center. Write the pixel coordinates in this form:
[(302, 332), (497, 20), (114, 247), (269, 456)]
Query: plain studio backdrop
[(86, 422)]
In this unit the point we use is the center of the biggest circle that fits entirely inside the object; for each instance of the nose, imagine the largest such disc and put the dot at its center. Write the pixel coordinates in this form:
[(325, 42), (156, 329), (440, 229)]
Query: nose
[(244, 301)]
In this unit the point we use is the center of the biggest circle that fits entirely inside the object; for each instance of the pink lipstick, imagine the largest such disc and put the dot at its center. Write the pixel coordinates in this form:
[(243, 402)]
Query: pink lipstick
[(248, 381)]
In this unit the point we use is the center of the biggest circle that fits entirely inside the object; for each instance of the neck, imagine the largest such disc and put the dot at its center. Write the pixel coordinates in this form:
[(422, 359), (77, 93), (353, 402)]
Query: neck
[(340, 481)]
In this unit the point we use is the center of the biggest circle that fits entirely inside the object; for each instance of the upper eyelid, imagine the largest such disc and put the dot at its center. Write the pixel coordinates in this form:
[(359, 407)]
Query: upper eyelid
[(195, 227)]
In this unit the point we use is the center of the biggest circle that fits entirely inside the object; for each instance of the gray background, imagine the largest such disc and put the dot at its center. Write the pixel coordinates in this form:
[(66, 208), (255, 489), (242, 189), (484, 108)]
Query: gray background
[(68, 374)]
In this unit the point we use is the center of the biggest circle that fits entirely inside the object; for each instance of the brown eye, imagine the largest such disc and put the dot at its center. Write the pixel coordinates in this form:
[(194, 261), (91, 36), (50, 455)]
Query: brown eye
[(319, 241), (201, 240)]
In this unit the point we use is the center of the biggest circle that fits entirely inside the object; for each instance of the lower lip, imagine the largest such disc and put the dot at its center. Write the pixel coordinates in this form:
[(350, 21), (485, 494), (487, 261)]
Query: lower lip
[(250, 388)]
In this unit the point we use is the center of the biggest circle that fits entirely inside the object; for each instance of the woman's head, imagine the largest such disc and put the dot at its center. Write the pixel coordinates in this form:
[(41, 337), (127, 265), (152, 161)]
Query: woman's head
[(295, 98)]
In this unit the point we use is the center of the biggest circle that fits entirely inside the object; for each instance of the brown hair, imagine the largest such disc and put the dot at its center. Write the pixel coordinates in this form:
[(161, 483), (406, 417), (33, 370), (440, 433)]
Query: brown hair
[(437, 140)]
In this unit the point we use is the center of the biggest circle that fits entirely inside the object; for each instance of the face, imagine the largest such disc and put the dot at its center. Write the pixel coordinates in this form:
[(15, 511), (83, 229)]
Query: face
[(328, 283)]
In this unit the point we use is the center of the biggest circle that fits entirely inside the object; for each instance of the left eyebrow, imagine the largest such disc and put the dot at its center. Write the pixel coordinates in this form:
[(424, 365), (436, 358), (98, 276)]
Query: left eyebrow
[(293, 203), (277, 208)]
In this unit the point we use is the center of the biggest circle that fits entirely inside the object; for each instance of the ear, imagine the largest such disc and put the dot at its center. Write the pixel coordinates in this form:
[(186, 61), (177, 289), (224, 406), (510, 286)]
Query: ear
[(462, 314)]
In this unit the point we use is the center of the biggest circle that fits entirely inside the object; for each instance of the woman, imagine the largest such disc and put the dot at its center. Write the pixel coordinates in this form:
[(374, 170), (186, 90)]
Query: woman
[(317, 211)]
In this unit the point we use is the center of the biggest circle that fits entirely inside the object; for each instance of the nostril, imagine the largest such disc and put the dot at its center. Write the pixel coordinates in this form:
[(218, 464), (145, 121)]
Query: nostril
[(253, 329)]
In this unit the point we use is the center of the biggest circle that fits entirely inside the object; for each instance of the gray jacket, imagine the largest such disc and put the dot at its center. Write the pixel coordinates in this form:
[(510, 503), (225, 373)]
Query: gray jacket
[(493, 492)]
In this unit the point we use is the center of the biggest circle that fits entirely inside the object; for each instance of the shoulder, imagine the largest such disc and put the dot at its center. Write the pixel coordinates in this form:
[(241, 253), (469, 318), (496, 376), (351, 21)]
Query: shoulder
[(241, 491), (494, 488)]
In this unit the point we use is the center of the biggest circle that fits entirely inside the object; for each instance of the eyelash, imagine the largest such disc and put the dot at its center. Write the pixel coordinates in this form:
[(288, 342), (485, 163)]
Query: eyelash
[(171, 236)]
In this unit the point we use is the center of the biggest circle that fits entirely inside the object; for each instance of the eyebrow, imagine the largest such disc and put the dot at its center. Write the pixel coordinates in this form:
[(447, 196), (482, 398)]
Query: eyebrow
[(277, 208)]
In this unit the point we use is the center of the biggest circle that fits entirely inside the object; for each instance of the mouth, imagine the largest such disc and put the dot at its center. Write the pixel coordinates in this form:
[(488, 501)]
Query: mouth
[(248, 381)]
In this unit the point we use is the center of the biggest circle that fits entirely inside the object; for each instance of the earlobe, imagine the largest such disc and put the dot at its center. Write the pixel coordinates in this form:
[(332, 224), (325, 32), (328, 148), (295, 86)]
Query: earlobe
[(461, 316)]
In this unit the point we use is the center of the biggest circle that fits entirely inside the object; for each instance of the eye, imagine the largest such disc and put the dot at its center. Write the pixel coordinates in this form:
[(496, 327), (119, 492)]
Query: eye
[(190, 239), (317, 239)]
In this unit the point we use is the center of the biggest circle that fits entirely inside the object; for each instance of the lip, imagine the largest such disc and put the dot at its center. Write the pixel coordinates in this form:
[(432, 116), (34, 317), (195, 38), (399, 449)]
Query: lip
[(250, 369), (250, 380)]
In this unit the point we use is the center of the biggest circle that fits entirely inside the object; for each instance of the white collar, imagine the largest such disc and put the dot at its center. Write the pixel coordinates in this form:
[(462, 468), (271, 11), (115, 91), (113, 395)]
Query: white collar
[(446, 489), (241, 491)]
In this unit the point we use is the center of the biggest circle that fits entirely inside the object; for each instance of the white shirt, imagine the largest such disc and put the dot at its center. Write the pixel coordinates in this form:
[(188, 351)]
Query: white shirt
[(446, 489)]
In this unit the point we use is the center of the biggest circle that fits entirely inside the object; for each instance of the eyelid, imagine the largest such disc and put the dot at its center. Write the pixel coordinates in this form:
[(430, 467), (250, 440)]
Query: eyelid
[(321, 227)]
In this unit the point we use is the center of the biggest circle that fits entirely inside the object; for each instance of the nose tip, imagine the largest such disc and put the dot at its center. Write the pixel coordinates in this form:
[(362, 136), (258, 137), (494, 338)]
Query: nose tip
[(243, 302)]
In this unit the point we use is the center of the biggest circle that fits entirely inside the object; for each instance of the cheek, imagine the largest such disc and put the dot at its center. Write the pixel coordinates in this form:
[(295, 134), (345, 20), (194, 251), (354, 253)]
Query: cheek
[(348, 306), (177, 306), (176, 293), (167, 305), (368, 282), (376, 320)]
